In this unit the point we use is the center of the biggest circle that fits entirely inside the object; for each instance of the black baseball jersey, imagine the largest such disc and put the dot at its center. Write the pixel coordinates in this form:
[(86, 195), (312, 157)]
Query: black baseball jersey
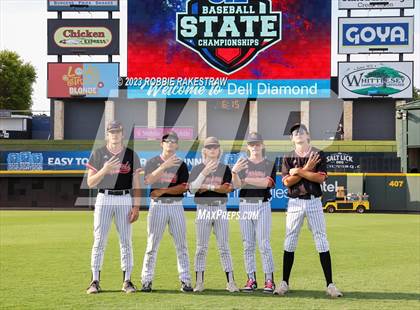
[(264, 169), (119, 179), (221, 176), (303, 187), (169, 178)]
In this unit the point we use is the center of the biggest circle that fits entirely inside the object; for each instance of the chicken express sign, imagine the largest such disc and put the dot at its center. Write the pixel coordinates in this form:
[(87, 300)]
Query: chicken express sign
[(73, 36)]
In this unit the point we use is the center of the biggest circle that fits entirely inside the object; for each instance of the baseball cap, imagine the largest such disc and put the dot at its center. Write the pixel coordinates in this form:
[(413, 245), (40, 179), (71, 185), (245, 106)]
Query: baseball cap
[(114, 125), (254, 137), (170, 135), (211, 141), (298, 126)]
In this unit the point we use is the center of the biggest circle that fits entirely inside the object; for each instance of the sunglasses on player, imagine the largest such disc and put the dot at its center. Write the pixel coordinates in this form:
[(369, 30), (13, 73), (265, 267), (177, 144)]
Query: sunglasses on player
[(211, 147)]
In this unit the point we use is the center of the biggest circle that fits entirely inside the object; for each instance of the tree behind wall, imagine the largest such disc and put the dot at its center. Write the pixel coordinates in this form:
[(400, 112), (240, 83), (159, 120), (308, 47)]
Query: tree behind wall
[(16, 79), (416, 94)]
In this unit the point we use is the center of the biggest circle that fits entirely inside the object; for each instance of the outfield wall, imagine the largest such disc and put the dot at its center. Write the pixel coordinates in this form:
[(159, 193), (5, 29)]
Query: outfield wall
[(67, 189)]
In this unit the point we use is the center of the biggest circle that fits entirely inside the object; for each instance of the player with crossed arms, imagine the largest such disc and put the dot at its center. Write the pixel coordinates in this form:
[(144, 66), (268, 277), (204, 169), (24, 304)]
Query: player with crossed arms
[(114, 170), (255, 176), (167, 176), (210, 181), (303, 170)]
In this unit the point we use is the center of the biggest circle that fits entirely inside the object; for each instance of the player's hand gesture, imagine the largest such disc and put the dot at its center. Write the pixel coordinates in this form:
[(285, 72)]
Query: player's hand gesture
[(210, 167), (313, 160), (134, 214), (294, 171), (172, 161), (113, 164), (240, 165)]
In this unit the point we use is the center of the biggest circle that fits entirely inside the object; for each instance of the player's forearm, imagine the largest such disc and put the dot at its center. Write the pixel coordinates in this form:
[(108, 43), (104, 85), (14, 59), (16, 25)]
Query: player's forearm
[(94, 179), (175, 190), (311, 176), (236, 181), (196, 185), (136, 191), (136, 198), (291, 180), (223, 189), (154, 176), (259, 182)]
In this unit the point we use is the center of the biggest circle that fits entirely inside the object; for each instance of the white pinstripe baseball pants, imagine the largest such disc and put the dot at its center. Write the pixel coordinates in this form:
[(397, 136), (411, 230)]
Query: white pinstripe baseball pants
[(220, 227), (297, 210), (254, 230), (108, 207), (160, 215)]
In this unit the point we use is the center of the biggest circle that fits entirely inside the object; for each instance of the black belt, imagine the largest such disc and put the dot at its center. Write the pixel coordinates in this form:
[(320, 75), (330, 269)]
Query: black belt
[(115, 192), (166, 200), (306, 197), (253, 199), (213, 203)]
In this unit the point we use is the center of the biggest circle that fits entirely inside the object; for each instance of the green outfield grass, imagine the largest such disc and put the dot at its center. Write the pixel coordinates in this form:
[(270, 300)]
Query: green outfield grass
[(45, 262)]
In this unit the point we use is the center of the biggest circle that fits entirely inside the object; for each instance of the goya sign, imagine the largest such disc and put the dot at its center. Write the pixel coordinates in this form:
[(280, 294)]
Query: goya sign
[(83, 5), (375, 34), (91, 80), (365, 79), (228, 34), (88, 36), (375, 4)]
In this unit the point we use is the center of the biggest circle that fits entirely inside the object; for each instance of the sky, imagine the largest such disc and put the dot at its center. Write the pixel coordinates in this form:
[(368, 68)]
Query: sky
[(17, 15)]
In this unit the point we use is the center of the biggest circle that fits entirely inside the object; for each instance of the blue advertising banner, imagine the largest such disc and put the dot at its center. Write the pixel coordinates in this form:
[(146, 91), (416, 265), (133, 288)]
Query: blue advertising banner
[(45, 160), (76, 160), (232, 89)]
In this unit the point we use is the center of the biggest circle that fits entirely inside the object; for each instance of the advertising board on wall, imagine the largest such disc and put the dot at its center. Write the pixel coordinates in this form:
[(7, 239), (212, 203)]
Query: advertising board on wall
[(375, 4), (83, 5), (90, 80), (366, 79), (83, 36), (229, 49), (358, 35), (145, 133)]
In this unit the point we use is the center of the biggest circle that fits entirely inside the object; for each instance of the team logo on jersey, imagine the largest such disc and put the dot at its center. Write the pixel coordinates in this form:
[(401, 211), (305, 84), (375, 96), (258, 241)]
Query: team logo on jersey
[(228, 34)]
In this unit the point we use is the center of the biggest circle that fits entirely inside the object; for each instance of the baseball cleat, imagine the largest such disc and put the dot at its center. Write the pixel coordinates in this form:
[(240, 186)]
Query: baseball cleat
[(282, 289), (186, 287), (146, 287), (250, 286), (128, 287), (231, 287), (269, 287), (93, 288), (199, 287), (333, 292)]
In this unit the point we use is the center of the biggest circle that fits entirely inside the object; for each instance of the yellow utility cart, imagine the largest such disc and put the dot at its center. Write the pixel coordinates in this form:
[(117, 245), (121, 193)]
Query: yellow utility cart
[(350, 202)]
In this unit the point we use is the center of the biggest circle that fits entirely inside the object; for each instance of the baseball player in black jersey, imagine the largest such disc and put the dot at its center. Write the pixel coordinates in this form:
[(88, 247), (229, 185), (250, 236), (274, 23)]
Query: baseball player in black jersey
[(114, 170), (167, 176), (255, 176), (303, 170), (210, 181)]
